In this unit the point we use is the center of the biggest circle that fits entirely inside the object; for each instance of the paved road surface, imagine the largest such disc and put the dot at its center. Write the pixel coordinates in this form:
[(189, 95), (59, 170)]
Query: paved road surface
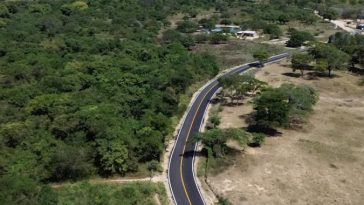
[(181, 177)]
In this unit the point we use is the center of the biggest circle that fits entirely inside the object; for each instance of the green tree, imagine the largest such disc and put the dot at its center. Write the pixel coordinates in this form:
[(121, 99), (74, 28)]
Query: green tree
[(113, 157), (70, 163), (273, 30), (272, 109), (217, 38), (187, 26), (298, 38), (4, 11), (279, 106), (334, 58), (301, 61), (21, 190), (261, 55), (215, 139)]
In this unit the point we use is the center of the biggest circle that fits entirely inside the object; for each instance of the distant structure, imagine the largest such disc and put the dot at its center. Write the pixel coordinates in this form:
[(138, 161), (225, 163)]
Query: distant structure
[(232, 29), (247, 34)]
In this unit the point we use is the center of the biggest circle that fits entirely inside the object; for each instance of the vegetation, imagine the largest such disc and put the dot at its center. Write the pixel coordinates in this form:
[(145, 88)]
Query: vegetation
[(87, 88), (215, 140), (328, 57), (236, 87), (301, 61), (223, 201), (284, 105), (298, 38), (128, 194), (352, 45), (261, 55)]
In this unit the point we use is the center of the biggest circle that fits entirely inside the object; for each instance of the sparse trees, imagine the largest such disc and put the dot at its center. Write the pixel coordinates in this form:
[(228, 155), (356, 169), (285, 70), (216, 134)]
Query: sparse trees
[(236, 87)]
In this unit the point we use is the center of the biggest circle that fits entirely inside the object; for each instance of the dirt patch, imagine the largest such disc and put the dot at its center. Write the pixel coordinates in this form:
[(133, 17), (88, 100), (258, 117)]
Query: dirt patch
[(321, 163)]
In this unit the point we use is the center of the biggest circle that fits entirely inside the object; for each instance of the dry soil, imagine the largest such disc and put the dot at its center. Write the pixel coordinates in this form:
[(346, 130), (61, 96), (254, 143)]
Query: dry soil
[(321, 163)]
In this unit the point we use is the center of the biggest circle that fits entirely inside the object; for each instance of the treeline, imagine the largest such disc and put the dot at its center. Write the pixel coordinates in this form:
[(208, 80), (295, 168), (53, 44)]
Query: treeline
[(86, 88), (343, 51)]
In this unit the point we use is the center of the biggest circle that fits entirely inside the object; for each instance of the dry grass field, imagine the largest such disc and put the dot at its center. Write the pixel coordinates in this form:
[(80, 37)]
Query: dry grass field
[(321, 163)]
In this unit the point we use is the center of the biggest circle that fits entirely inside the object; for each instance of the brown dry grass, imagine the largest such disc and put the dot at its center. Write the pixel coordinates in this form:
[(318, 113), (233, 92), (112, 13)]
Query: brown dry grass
[(322, 163)]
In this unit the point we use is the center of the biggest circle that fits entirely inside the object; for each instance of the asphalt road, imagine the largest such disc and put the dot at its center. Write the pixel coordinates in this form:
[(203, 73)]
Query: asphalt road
[(181, 176)]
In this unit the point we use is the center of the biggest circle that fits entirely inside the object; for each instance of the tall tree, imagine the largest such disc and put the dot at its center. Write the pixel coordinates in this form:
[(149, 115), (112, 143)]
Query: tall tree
[(301, 61)]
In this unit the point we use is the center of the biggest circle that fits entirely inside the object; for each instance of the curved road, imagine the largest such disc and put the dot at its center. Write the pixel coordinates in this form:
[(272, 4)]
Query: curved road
[(181, 176)]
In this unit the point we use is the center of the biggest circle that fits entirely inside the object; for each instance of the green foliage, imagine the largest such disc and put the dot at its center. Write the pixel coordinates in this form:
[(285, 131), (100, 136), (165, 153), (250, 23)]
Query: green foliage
[(298, 38), (280, 106), (187, 26), (201, 38), (4, 11), (217, 38), (257, 140), (70, 163), (272, 108), (215, 139), (21, 190), (301, 61), (128, 194), (261, 55), (222, 201), (273, 30), (351, 44), (329, 13), (215, 120), (330, 56), (208, 23), (236, 87), (88, 88), (154, 166)]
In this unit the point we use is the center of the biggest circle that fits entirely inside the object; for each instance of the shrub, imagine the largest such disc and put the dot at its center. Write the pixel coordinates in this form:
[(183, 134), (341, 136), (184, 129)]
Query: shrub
[(298, 38), (217, 38), (187, 26), (201, 38), (257, 140), (273, 30)]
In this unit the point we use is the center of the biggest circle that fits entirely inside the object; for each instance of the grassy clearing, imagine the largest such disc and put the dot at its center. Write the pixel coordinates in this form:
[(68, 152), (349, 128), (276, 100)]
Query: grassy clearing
[(84, 193), (236, 52)]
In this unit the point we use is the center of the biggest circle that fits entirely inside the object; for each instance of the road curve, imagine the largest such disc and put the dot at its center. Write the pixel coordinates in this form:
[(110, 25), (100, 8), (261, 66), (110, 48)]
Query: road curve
[(181, 177)]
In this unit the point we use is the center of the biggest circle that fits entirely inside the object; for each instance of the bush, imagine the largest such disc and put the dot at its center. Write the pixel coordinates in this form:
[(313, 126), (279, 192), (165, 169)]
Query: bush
[(215, 120), (278, 106), (201, 38), (298, 38), (217, 38), (273, 30), (187, 26), (257, 140)]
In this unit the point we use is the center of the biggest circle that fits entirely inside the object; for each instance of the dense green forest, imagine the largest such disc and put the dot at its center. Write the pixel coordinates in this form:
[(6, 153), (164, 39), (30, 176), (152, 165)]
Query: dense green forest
[(85, 87)]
